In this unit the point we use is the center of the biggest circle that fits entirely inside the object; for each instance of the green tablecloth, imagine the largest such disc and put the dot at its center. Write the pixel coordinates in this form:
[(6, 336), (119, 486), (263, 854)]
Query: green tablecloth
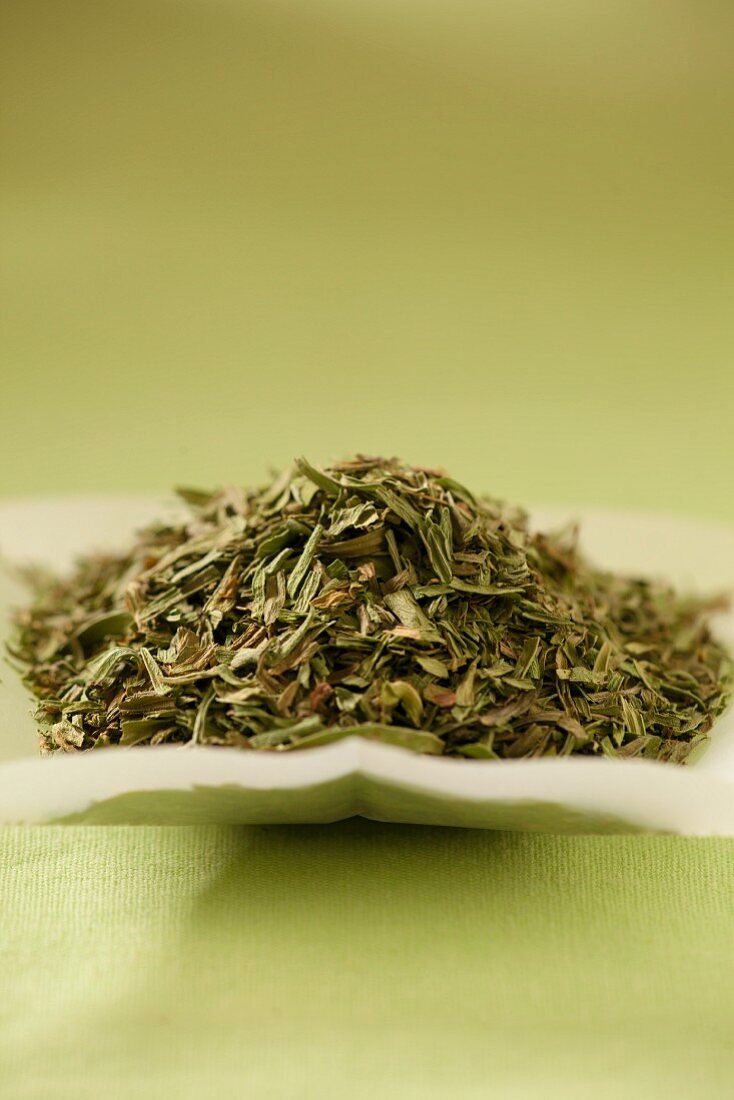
[(363, 960)]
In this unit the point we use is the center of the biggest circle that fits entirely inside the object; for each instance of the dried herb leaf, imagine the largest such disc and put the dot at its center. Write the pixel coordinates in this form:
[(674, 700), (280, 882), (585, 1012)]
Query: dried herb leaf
[(374, 599)]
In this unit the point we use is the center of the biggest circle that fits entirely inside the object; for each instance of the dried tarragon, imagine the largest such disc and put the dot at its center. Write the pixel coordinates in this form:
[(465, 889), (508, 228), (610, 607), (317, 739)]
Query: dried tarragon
[(371, 598)]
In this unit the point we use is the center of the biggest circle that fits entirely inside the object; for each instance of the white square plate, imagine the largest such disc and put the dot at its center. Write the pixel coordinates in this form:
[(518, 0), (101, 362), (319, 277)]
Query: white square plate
[(177, 784)]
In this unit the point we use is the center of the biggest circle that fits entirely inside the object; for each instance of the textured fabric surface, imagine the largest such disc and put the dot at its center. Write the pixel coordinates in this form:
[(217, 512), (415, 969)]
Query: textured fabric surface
[(364, 960)]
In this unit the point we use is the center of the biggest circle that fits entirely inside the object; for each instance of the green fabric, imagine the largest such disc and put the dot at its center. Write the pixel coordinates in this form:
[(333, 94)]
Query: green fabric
[(362, 961)]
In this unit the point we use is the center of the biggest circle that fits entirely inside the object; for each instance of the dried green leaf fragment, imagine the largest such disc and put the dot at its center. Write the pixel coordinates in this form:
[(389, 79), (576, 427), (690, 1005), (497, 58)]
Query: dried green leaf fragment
[(373, 599)]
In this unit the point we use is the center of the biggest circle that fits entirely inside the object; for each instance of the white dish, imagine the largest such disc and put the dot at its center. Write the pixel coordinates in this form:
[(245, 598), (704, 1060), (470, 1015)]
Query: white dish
[(182, 784)]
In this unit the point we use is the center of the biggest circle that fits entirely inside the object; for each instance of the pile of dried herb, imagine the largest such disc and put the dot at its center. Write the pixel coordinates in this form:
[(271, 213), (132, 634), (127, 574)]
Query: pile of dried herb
[(373, 598)]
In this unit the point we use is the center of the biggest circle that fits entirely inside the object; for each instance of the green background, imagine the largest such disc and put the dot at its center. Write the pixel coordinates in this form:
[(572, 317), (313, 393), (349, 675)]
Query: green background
[(493, 236)]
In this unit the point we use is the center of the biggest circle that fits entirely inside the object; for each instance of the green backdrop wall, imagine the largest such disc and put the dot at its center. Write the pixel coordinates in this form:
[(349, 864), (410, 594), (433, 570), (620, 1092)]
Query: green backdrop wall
[(496, 237)]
